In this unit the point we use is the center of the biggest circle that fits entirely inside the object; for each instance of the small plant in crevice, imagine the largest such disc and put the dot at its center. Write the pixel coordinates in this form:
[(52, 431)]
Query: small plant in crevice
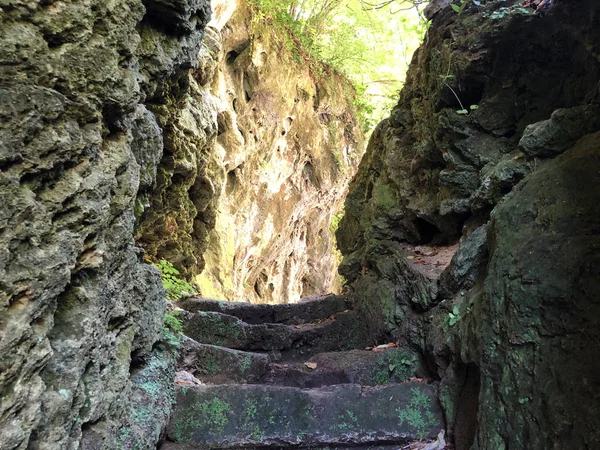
[(460, 7), (172, 328), (455, 316), (175, 286), (395, 365), (462, 111), (500, 13)]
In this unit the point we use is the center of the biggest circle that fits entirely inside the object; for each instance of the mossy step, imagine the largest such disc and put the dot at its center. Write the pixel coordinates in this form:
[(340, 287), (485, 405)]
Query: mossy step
[(175, 446), (220, 365), (307, 310), (368, 368), (230, 416), (342, 332)]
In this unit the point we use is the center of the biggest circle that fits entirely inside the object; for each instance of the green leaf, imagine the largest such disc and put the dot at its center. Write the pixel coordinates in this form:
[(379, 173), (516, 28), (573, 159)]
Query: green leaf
[(455, 310), (474, 107), (392, 367), (462, 112), (455, 8)]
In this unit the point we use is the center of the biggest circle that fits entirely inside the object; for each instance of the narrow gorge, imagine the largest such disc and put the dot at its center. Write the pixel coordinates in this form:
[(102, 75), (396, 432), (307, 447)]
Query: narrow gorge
[(173, 174)]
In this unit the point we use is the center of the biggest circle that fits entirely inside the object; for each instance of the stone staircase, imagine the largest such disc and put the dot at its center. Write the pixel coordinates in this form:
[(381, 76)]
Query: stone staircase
[(295, 376)]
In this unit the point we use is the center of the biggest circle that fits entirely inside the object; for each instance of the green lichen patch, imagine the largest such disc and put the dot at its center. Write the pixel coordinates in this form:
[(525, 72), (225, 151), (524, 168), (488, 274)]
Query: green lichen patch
[(151, 400), (210, 415), (417, 414)]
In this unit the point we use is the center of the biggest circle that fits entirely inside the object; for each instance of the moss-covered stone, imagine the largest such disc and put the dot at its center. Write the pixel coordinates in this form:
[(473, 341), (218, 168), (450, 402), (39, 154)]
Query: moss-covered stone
[(259, 415), (341, 332), (220, 365)]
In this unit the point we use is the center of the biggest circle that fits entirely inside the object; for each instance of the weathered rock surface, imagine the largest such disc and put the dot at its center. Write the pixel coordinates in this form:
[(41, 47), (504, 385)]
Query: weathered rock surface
[(308, 310), (151, 400), (343, 331), (414, 446), (287, 146), (555, 135), (503, 327), (78, 143), (244, 415), (220, 365), (536, 325), (364, 367)]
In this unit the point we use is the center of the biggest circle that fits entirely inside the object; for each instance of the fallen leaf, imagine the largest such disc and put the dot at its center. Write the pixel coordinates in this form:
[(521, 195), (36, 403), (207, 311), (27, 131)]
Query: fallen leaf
[(368, 348), (311, 365), (410, 257)]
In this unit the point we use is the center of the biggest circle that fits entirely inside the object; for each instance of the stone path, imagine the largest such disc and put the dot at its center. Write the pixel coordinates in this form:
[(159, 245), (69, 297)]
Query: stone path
[(294, 376)]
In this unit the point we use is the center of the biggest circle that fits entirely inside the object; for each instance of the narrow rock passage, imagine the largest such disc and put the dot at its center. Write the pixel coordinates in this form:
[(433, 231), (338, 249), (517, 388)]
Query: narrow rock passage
[(295, 375)]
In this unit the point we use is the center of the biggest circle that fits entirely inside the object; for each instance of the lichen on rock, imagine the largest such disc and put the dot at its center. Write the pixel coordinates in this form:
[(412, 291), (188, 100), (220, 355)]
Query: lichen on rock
[(78, 152)]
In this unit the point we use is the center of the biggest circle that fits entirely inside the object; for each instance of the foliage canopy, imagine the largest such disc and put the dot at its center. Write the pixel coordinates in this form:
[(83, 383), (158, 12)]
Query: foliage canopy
[(371, 43)]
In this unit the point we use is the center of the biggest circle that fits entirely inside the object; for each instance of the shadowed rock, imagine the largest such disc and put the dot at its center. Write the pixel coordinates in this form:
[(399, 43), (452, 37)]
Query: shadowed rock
[(343, 332), (307, 310), (364, 367)]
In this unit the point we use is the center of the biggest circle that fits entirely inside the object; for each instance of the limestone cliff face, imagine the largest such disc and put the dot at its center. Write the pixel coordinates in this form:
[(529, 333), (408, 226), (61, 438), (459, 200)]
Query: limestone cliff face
[(244, 203), (289, 143), (83, 90), (510, 325)]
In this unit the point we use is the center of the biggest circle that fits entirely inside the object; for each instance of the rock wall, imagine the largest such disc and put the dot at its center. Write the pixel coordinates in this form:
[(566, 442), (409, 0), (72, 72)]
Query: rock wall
[(84, 89), (245, 200), (497, 291)]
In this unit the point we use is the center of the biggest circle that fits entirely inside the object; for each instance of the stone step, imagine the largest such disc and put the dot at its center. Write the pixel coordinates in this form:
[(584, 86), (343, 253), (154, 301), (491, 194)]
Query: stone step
[(219, 365), (232, 416), (419, 445), (368, 368), (307, 310), (342, 332)]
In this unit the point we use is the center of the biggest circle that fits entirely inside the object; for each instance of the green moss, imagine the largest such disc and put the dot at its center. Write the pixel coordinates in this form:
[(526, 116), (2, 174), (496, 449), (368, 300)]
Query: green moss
[(212, 328), (210, 364), (246, 363), (251, 409), (257, 433), (347, 421), (395, 365), (384, 196), (416, 415), (209, 415), (448, 401)]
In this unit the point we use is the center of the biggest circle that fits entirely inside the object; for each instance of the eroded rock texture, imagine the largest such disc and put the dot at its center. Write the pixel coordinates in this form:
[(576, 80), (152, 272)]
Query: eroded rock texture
[(245, 200), (79, 143), (510, 327)]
